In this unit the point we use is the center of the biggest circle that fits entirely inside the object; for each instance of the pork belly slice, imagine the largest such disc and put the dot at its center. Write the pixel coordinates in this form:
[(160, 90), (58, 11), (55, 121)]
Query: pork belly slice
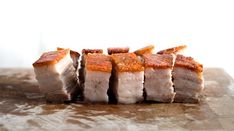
[(173, 50), (188, 79), (127, 78), (97, 74), (158, 78), (114, 50), (56, 76), (82, 66), (145, 50)]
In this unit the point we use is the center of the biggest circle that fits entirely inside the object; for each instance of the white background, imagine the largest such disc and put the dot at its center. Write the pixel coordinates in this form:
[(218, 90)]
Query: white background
[(28, 28)]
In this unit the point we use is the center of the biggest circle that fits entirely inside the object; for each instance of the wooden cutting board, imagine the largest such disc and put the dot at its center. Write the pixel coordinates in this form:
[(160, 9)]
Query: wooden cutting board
[(22, 107)]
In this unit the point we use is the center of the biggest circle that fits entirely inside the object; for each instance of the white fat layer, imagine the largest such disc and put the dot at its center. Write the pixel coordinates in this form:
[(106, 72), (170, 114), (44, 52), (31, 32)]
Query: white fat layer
[(157, 73), (129, 87), (187, 85), (183, 73), (158, 85), (96, 86), (59, 78)]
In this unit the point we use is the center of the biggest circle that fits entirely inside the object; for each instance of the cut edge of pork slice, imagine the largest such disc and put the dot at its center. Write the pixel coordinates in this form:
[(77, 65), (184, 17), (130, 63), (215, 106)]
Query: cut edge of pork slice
[(75, 58)]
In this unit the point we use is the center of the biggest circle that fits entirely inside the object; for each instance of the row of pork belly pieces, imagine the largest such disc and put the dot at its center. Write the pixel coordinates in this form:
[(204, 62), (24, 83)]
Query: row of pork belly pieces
[(120, 76)]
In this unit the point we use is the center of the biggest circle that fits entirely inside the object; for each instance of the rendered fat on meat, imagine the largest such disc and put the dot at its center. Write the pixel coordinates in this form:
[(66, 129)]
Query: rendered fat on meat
[(158, 77), (56, 76), (97, 74), (188, 79), (127, 78)]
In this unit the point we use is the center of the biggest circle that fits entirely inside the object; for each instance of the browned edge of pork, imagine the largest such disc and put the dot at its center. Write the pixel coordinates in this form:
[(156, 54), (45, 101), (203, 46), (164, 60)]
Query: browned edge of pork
[(114, 50), (145, 50), (173, 50)]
